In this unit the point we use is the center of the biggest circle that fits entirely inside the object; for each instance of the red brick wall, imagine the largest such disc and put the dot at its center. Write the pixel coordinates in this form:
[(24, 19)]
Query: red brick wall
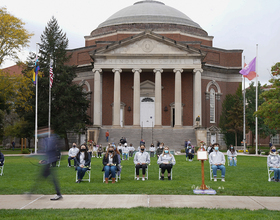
[(187, 97), (107, 97), (127, 95), (168, 91)]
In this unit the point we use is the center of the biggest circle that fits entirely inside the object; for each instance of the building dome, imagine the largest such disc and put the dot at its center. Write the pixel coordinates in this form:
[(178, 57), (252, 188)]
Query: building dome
[(149, 12)]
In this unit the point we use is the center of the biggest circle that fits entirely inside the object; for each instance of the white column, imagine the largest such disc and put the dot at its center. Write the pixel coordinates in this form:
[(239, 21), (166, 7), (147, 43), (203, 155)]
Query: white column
[(136, 97), (158, 107), (97, 97), (197, 95), (178, 98), (117, 97)]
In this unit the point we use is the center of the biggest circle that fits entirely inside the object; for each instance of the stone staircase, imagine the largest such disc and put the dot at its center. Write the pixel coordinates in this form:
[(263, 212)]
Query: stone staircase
[(174, 138)]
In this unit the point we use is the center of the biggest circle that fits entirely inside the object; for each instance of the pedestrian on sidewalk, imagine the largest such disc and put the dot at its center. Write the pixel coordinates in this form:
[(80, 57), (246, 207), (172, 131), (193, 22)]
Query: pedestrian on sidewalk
[(48, 146)]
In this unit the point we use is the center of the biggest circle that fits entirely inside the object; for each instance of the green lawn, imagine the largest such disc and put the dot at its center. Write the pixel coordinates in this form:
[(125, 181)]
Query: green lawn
[(249, 178), (140, 213)]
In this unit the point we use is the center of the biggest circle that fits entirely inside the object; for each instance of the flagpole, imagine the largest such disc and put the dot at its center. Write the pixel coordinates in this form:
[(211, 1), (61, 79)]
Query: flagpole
[(50, 101), (244, 112), (36, 106), (256, 99)]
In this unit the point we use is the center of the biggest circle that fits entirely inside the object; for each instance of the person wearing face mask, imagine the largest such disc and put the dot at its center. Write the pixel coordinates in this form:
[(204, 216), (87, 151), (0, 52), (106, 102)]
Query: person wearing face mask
[(83, 160), (166, 161), (232, 154), (159, 150), (125, 151), (152, 150), (217, 161), (189, 153), (72, 154), (110, 164), (273, 162), (141, 160)]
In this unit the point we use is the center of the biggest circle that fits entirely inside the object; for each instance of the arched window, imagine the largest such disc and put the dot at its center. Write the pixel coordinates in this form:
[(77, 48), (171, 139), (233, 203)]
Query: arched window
[(147, 100), (212, 105)]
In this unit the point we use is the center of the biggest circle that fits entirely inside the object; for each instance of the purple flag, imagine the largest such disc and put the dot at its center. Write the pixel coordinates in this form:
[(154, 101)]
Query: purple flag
[(251, 67)]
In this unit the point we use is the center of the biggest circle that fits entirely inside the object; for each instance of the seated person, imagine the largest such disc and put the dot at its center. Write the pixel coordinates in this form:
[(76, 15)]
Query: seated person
[(152, 150), (99, 151), (273, 162), (120, 147), (94, 151), (210, 149), (166, 161), (2, 158), (131, 150), (159, 150), (232, 154), (72, 154), (141, 159), (217, 161), (189, 153), (110, 163), (125, 151), (82, 159)]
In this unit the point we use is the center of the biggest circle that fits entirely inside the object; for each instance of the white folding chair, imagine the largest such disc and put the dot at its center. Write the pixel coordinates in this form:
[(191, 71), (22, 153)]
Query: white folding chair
[(118, 177), (88, 172), (147, 172), (211, 173), (159, 173), (270, 173), (2, 169), (229, 160)]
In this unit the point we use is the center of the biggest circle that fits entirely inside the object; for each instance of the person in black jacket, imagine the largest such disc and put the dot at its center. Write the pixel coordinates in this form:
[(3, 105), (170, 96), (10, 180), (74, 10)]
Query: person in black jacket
[(110, 163), (82, 160), (2, 158)]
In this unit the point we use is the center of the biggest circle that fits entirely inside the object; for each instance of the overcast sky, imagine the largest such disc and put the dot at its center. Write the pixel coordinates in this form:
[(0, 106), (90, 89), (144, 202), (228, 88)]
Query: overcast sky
[(235, 24)]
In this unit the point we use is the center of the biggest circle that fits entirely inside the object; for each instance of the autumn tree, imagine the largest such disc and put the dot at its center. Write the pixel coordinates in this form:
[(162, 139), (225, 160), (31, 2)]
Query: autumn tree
[(269, 110), (13, 36), (69, 101)]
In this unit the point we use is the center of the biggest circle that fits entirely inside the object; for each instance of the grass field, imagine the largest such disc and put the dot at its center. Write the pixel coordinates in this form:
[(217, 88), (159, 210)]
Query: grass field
[(249, 178), (140, 213)]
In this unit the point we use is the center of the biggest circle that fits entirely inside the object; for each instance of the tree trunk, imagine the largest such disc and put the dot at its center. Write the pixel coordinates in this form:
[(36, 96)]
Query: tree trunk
[(66, 142), (235, 138)]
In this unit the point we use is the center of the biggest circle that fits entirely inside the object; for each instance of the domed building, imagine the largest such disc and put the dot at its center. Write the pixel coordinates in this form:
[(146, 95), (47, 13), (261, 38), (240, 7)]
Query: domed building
[(150, 68)]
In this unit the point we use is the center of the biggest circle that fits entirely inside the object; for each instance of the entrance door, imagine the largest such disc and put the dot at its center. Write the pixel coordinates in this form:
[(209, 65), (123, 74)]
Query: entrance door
[(147, 112)]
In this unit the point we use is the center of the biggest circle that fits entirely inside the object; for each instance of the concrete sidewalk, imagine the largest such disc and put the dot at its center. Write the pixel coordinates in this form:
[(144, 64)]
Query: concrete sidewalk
[(130, 201)]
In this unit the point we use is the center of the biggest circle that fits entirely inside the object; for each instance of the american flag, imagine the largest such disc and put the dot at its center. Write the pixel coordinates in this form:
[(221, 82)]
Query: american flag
[(51, 73)]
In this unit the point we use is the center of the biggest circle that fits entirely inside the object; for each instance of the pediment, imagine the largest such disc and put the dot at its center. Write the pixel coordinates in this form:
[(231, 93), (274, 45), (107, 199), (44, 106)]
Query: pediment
[(147, 44), (147, 85)]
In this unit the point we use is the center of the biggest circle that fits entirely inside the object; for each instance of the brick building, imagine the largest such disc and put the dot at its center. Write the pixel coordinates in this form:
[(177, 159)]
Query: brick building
[(149, 65)]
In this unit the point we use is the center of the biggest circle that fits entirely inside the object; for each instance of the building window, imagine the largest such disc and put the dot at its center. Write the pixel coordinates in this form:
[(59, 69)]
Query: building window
[(212, 106), (275, 139)]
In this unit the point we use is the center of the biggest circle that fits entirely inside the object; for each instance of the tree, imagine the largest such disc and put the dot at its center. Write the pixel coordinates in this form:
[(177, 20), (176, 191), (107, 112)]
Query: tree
[(269, 110), (69, 101), (231, 119), (263, 129), (13, 36), (14, 93)]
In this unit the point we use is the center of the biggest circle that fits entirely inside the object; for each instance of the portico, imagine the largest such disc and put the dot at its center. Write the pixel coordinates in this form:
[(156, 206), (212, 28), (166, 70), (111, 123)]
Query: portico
[(152, 53)]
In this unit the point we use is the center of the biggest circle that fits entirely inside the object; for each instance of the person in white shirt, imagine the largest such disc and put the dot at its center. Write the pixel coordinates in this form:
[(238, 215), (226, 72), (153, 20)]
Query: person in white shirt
[(125, 151), (131, 150), (152, 150), (72, 154), (94, 151), (217, 161), (120, 147), (141, 160), (232, 154), (166, 161)]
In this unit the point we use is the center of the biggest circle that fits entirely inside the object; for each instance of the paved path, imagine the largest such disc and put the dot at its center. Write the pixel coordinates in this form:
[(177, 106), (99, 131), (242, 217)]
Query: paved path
[(130, 201)]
